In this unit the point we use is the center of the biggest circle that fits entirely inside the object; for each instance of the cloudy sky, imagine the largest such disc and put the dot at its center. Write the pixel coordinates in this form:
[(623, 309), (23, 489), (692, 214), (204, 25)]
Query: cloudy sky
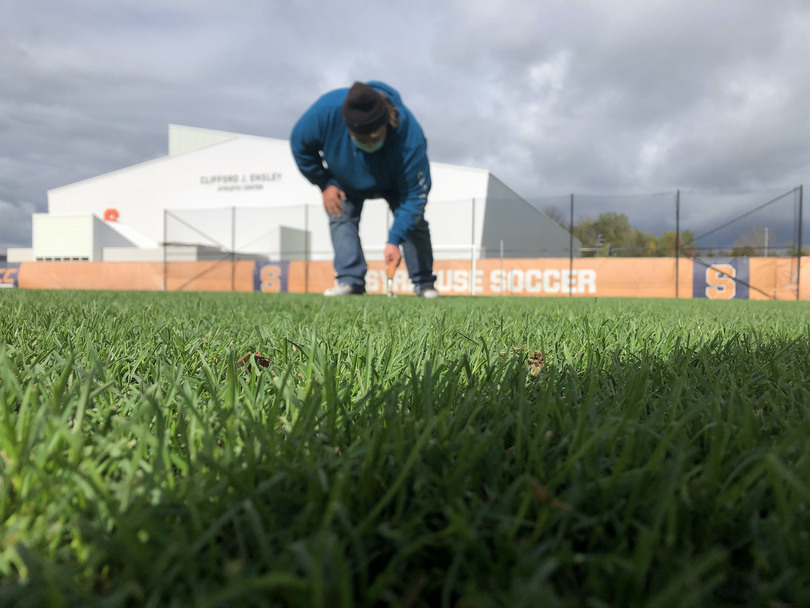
[(552, 96)]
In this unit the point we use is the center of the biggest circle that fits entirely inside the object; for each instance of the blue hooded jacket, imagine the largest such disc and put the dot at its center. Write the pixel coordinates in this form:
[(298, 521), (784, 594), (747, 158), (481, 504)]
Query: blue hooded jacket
[(398, 172)]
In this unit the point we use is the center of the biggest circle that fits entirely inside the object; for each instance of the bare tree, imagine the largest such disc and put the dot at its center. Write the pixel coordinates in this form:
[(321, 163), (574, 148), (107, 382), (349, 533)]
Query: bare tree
[(558, 216)]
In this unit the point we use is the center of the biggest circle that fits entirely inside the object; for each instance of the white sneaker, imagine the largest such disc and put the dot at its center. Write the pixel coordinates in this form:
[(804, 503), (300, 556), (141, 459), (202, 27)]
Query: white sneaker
[(343, 289), (427, 292)]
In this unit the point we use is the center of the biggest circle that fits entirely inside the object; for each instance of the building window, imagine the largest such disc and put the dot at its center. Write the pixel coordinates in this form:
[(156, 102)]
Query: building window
[(62, 259)]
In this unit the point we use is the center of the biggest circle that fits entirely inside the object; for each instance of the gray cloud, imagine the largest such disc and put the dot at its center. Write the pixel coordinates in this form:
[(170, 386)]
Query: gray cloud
[(578, 96)]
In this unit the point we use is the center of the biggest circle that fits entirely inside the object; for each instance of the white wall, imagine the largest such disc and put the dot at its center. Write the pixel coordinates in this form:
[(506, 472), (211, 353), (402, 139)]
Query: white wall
[(455, 209), (129, 254), (106, 236), (20, 254), (69, 237), (526, 231), (63, 237), (292, 245), (181, 253)]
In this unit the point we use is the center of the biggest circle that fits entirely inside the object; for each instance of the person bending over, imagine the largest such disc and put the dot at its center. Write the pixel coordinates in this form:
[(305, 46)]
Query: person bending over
[(358, 143)]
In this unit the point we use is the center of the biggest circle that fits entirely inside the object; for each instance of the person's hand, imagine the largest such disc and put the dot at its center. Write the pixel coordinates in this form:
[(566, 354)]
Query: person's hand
[(333, 198), (392, 255)]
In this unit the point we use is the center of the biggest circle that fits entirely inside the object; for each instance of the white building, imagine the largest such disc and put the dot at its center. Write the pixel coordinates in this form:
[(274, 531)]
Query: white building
[(219, 193)]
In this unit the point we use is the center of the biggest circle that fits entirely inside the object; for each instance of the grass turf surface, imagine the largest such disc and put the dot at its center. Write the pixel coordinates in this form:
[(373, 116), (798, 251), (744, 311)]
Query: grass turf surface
[(402, 452)]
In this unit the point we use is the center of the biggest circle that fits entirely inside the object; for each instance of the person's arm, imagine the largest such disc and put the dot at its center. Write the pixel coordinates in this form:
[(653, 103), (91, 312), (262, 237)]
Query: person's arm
[(306, 142), (414, 186)]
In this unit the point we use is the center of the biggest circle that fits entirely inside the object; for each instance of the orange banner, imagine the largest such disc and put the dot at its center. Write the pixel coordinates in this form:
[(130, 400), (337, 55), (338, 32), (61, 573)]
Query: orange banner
[(138, 276), (776, 278), (767, 278), (586, 277)]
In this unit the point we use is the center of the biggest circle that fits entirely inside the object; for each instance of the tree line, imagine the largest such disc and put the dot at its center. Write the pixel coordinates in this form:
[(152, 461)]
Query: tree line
[(611, 234)]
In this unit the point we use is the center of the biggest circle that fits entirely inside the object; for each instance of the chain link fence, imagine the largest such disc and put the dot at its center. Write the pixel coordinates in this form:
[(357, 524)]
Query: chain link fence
[(698, 225), (764, 223)]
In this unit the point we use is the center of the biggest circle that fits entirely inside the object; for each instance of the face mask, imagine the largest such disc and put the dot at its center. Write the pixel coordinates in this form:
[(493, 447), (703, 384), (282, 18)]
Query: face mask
[(366, 148)]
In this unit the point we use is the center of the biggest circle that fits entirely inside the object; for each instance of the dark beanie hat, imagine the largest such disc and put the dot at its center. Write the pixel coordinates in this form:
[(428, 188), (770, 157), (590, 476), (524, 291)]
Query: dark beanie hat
[(364, 109)]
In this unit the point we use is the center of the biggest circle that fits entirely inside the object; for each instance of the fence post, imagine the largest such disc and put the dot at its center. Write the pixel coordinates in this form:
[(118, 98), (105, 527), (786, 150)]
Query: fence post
[(472, 249), (233, 248), (165, 233), (799, 247), (571, 250), (306, 250), (502, 289), (677, 239)]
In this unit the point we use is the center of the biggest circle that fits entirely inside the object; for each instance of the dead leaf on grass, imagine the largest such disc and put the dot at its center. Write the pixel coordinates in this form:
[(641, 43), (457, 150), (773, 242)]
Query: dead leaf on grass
[(536, 362), (535, 358), (542, 494), (261, 361)]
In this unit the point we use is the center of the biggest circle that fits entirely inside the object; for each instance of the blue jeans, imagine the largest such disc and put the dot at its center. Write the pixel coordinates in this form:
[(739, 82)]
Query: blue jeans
[(350, 263)]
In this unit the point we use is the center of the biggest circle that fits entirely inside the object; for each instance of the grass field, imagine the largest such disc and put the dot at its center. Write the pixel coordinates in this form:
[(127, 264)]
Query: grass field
[(402, 452)]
